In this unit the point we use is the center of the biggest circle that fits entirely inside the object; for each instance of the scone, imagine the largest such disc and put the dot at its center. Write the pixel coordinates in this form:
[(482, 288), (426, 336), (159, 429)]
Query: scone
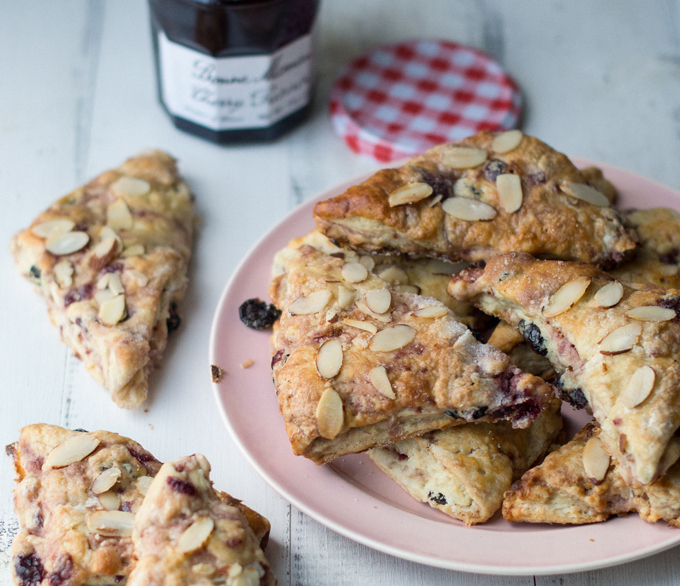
[(110, 260), (560, 490), (614, 345), (359, 365), (464, 470), (184, 533), (472, 200), (507, 339)]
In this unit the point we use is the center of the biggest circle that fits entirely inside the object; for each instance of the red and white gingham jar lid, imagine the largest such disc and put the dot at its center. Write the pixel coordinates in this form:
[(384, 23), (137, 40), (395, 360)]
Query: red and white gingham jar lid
[(399, 100)]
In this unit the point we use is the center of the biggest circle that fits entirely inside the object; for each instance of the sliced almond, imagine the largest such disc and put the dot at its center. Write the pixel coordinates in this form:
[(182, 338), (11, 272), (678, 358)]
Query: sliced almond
[(108, 232), (196, 535), (651, 313), (393, 338), (53, 228), (585, 193), (329, 414), (112, 310), (363, 308), (595, 459), (566, 296), (431, 312), (509, 188), (118, 215), (506, 141), (68, 243), (74, 449), (133, 250), (380, 380), (329, 359), (105, 480), (378, 300), (413, 289), (104, 247), (621, 339), (435, 200), (104, 253), (138, 277), (609, 295), (63, 273), (143, 483), (639, 387), (394, 275), (313, 303), (109, 500), (345, 297), (130, 186), (354, 272), (103, 296), (113, 523), (470, 210), (361, 325), (368, 262), (410, 193), (115, 284), (459, 157), (103, 283)]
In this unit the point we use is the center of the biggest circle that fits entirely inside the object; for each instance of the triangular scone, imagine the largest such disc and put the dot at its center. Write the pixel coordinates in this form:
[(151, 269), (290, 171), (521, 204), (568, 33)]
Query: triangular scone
[(560, 491), (76, 498), (392, 365), (464, 470), (184, 533), (447, 203), (110, 259), (614, 348)]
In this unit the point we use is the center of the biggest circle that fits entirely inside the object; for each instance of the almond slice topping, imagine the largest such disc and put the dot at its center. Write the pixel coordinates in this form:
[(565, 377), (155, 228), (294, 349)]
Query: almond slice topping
[(585, 193), (368, 262), (74, 449), (431, 312), (105, 480), (109, 500), (143, 484), (394, 275), (115, 284), (609, 295), (138, 277), (345, 297), (103, 283), (378, 300), (460, 157), (329, 414), (393, 338), (363, 308), (410, 193), (112, 311), (354, 272), (53, 228), (68, 243), (108, 232), (130, 186), (621, 339), (63, 273), (435, 200), (118, 215), (566, 296), (103, 296), (133, 250), (651, 313), (407, 289), (361, 325), (114, 523), (104, 247), (506, 141), (380, 380), (595, 459), (313, 303), (196, 535), (470, 210), (329, 359), (639, 387), (509, 188)]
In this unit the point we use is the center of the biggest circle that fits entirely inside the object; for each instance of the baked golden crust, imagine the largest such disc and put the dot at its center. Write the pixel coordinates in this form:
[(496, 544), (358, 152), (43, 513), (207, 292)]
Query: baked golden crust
[(145, 211), (439, 368), (55, 504), (464, 470), (169, 543), (518, 288), (549, 223)]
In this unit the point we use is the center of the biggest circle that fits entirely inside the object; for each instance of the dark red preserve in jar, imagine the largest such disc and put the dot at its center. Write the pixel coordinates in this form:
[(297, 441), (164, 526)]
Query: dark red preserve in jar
[(234, 70)]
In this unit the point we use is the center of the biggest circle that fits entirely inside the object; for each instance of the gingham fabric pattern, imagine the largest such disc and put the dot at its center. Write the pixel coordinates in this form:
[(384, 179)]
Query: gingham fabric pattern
[(400, 100)]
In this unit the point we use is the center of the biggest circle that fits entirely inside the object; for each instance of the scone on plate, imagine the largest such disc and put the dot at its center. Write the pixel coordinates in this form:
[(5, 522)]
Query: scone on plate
[(486, 195), (358, 364), (110, 260), (614, 345), (464, 470)]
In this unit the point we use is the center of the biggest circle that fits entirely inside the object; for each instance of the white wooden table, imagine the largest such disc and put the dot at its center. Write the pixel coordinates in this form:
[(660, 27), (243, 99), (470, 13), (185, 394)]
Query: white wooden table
[(601, 80)]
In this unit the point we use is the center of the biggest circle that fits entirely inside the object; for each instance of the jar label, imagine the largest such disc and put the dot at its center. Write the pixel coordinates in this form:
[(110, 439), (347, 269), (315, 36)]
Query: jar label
[(227, 93)]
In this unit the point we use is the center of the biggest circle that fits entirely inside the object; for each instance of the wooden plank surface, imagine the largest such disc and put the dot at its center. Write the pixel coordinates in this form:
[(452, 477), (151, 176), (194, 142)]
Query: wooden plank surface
[(600, 79)]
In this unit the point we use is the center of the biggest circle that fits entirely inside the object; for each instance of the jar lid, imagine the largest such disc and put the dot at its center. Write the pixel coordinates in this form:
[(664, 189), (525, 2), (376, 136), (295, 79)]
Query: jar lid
[(399, 100)]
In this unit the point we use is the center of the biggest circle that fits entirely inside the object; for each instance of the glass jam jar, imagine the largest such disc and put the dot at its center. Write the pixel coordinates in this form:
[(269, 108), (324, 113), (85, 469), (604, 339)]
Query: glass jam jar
[(234, 70)]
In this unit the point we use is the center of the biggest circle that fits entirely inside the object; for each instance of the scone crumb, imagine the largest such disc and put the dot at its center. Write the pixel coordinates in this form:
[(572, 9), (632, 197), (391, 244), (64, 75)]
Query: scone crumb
[(151, 426), (216, 372), (248, 363)]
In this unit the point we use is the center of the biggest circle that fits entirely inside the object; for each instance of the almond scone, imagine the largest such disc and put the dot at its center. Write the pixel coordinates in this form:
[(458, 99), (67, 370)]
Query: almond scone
[(614, 345), (464, 470), (472, 200), (110, 260), (358, 364), (184, 533)]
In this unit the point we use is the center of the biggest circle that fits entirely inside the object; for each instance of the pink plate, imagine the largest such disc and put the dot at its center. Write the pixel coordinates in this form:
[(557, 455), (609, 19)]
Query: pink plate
[(351, 496)]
